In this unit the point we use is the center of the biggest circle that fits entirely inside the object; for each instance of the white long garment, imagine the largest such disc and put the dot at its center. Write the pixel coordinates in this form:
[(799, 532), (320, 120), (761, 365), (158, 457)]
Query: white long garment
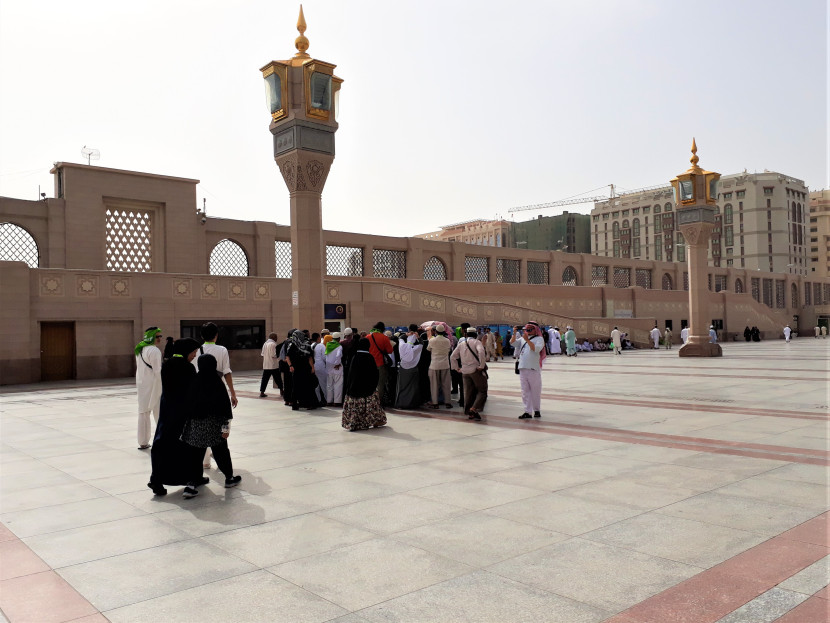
[(334, 375), (555, 342), (616, 339), (684, 334), (787, 332), (410, 352), (320, 368), (270, 361), (655, 336), (148, 380)]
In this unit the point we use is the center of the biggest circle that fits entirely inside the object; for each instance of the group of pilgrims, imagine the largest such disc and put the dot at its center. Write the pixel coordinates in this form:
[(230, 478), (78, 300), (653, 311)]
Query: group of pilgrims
[(185, 392)]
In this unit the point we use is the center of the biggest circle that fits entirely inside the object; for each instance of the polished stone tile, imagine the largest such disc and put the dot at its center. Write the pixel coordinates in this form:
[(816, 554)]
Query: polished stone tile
[(19, 560), (765, 608), (799, 472), (249, 598), (479, 539), (632, 492), (368, 573), (543, 476), (47, 496), (482, 597), (682, 540), (66, 516), (581, 570), (92, 542), (802, 494), (138, 576), (809, 580), (287, 539), (476, 493), (32, 598), (597, 464), (560, 512)]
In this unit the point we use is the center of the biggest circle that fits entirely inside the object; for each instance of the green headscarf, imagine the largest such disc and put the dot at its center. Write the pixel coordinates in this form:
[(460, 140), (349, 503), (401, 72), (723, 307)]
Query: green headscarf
[(149, 339), (331, 345)]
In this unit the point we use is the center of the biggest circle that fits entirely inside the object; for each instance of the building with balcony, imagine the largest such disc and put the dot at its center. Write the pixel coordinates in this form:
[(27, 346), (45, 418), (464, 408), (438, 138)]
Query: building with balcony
[(819, 233)]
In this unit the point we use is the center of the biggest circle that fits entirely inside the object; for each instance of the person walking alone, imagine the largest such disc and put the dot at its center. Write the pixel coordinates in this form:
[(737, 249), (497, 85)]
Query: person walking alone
[(616, 340), (270, 365), (667, 338), (148, 363), (528, 345)]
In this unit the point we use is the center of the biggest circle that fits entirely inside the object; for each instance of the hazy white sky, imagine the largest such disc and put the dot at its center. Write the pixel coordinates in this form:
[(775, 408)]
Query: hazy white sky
[(450, 110)]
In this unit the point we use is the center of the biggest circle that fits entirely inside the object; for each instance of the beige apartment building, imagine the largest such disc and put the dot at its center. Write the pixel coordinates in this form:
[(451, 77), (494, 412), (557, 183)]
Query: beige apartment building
[(483, 232), (820, 233), (761, 224)]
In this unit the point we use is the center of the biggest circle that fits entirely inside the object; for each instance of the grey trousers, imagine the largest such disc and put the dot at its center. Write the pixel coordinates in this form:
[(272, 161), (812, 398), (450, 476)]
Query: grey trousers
[(475, 391), (439, 378)]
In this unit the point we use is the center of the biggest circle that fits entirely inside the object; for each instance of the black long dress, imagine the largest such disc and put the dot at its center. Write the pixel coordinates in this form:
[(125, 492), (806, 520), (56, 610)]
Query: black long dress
[(305, 382), (361, 406), (172, 459)]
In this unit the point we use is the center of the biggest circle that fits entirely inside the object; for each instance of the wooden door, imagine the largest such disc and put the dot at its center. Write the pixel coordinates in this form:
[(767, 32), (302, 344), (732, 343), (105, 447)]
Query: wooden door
[(57, 351)]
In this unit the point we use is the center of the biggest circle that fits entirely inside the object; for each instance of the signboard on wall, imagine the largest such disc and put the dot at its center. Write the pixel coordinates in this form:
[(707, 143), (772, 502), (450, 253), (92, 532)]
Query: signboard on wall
[(334, 311)]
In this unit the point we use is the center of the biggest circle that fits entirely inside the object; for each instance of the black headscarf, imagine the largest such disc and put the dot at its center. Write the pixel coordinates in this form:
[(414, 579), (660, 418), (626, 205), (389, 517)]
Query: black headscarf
[(300, 341), (185, 346), (363, 373), (207, 395)]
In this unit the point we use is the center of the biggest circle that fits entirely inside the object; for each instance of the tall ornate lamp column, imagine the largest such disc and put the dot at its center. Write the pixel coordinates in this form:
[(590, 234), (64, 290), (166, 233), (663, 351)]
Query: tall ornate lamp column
[(696, 197), (301, 94)]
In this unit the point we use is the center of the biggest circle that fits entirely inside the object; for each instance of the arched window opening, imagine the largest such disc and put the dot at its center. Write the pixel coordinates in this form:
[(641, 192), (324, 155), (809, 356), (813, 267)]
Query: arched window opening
[(229, 259), (569, 277), (667, 283), (739, 286), (18, 245), (434, 270)]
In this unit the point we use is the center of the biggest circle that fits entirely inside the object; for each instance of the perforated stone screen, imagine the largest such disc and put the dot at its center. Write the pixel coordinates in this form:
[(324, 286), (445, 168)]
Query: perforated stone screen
[(808, 292), (686, 281), (475, 269), (129, 240), (599, 276), (816, 294), (756, 288), (780, 301), (389, 264), (17, 245), (228, 259), (643, 277), (569, 276), (794, 295), (826, 293), (434, 270), (344, 261), (667, 283), (622, 277), (282, 259), (507, 271), (739, 286), (766, 291), (720, 283), (538, 273)]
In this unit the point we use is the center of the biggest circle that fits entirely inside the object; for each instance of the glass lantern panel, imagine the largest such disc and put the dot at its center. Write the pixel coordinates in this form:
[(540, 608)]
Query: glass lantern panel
[(320, 91), (713, 189), (273, 93), (686, 190)]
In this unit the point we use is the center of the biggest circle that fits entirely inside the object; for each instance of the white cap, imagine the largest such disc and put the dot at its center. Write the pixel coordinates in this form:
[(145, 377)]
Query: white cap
[(336, 335), (347, 331)]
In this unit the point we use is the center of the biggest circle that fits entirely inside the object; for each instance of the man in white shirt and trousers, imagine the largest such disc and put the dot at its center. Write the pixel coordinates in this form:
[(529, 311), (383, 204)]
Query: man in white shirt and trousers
[(223, 367), (148, 382), (684, 335), (787, 332), (616, 340), (528, 350), (270, 365)]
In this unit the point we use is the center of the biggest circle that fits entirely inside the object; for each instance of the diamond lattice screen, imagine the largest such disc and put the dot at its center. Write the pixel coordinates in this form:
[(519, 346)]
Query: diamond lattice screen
[(475, 269), (756, 288), (643, 276), (129, 240), (569, 276), (344, 261), (538, 273), (389, 264), (622, 277), (599, 276), (827, 293), (17, 245), (282, 259), (816, 294), (667, 282), (739, 286), (228, 259), (767, 286), (686, 281), (720, 283), (434, 270), (793, 295), (507, 271)]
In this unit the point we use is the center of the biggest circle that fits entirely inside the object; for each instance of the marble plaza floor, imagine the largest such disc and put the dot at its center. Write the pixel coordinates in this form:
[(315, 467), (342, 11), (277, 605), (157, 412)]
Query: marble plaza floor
[(653, 490)]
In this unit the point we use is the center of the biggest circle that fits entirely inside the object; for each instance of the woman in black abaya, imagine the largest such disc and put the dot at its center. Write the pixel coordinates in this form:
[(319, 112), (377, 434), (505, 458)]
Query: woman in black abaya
[(301, 365), (361, 407)]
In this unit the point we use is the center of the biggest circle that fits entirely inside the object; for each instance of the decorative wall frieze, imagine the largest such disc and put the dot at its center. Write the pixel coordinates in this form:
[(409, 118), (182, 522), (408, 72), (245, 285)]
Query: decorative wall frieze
[(262, 291), (333, 292), (120, 286), (397, 296), (237, 291), (464, 309), (210, 289), (51, 285), (182, 288), (86, 286)]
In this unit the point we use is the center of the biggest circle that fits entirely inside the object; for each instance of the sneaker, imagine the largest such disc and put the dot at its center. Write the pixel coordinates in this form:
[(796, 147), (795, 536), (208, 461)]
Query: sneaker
[(157, 489), (199, 482), (190, 492), (525, 416), (475, 416), (232, 482), (263, 395), (537, 414)]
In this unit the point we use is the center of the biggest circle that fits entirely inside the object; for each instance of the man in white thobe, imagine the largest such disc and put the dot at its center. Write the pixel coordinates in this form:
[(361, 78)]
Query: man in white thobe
[(684, 335), (148, 383), (319, 350), (334, 370), (655, 336), (616, 340), (787, 332)]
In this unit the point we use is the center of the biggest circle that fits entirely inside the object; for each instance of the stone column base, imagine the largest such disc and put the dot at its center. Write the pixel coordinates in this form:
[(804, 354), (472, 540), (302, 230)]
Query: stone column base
[(700, 350)]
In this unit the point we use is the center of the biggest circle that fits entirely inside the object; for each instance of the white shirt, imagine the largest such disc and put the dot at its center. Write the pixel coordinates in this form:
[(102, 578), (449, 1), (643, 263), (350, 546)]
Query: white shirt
[(684, 334), (410, 352), (270, 361), (223, 360), (464, 351), (334, 358), (616, 338), (319, 357), (655, 333), (787, 331), (529, 359)]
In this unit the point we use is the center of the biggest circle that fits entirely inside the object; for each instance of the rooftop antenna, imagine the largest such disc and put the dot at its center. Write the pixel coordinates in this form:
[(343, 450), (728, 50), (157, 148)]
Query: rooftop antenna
[(90, 154)]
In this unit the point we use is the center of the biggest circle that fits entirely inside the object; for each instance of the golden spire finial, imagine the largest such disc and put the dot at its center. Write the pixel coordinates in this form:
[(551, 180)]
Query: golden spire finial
[(301, 42), (694, 159)]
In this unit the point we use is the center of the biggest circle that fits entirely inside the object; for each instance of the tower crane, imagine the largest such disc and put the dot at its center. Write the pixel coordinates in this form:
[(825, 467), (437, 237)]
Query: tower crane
[(565, 202)]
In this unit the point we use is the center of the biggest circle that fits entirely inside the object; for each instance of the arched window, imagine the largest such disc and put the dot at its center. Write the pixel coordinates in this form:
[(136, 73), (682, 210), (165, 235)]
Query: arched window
[(739, 286), (794, 295), (667, 283), (228, 258), (636, 231), (615, 229), (569, 277), (625, 224), (727, 213), (657, 209), (667, 207), (434, 270), (18, 245)]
